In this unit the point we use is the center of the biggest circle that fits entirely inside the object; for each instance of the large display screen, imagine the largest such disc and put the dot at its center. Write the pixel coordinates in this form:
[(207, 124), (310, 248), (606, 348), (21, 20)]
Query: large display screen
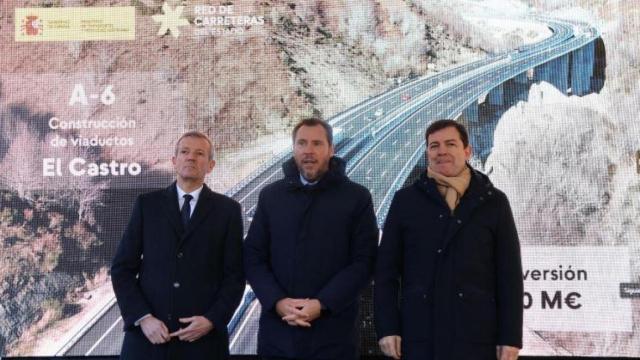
[(94, 94)]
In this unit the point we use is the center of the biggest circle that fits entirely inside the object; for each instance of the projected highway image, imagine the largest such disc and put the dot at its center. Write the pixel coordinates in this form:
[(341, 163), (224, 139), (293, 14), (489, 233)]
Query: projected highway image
[(94, 94)]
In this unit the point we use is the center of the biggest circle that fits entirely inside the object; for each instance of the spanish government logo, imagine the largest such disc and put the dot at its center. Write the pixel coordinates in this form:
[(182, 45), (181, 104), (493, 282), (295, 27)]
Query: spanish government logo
[(31, 26), (117, 23)]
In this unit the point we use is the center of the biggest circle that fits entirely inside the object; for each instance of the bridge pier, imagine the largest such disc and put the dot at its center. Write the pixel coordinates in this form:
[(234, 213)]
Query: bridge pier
[(470, 114), (599, 65), (521, 78), (496, 96), (555, 72), (514, 92), (582, 63)]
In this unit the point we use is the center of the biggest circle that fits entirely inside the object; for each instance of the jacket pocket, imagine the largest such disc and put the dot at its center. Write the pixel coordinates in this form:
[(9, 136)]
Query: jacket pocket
[(476, 319), (416, 315)]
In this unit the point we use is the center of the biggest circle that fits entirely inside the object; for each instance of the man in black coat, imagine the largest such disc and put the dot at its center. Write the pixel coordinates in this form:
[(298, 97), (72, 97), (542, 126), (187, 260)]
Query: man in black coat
[(450, 245), (310, 251), (177, 273)]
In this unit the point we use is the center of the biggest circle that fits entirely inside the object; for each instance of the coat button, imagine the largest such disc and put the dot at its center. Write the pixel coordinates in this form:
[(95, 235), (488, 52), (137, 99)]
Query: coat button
[(439, 251), (180, 255), (441, 216), (424, 296), (489, 192), (459, 221), (168, 316), (460, 295), (176, 284), (481, 198)]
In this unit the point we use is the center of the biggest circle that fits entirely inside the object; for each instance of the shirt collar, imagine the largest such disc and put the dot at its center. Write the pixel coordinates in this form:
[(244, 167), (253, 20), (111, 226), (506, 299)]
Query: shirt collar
[(195, 193), (306, 182)]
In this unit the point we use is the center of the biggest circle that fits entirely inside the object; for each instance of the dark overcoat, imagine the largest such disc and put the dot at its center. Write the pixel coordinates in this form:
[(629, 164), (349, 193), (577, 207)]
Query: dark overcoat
[(162, 269), (311, 242), (459, 273)]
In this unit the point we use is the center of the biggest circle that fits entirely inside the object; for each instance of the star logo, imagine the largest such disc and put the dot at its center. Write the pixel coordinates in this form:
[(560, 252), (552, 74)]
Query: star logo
[(170, 20)]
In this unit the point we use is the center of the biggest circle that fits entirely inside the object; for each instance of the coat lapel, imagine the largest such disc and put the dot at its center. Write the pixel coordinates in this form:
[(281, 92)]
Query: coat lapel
[(203, 207), (172, 209)]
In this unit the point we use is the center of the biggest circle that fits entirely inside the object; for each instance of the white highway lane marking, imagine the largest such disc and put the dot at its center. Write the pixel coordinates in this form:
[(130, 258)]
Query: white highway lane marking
[(244, 322), (106, 333)]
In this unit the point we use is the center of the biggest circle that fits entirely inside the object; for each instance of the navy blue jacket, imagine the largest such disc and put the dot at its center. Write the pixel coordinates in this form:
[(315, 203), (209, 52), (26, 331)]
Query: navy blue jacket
[(460, 274), (311, 242), (164, 270)]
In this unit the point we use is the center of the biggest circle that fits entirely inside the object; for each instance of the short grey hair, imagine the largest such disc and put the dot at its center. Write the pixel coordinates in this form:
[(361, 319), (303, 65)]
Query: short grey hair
[(199, 135)]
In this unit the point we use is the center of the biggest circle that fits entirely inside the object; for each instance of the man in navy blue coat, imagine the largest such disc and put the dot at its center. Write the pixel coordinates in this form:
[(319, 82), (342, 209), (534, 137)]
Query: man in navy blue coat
[(310, 251), (177, 273), (450, 245)]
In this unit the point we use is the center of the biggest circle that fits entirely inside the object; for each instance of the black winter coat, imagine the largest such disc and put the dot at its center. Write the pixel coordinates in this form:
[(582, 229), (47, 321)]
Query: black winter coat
[(311, 242), (460, 274)]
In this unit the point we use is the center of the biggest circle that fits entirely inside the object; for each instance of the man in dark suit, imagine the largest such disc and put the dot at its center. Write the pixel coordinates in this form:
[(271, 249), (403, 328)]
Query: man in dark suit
[(450, 244), (177, 273), (310, 252)]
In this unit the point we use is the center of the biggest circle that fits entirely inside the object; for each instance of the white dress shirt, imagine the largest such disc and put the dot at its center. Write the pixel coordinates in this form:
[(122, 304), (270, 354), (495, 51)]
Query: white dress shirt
[(195, 193)]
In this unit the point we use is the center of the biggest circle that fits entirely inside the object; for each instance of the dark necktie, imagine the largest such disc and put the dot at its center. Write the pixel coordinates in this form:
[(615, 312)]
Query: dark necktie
[(186, 210)]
